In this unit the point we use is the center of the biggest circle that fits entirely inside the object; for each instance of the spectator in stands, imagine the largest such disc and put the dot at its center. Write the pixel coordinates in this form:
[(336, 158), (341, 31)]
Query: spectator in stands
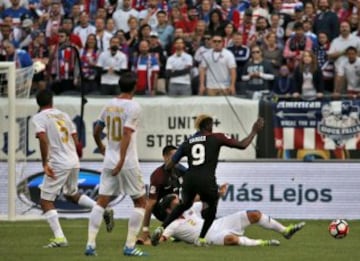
[(261, 30), (354, 22), (342, 13), (123, 44), (204, 11), (189, 48), (326, 20), (64, 65), (298, 18), (230, 14), (276, 28), (148, 16), (5, 35), (16, 12), (91, 7), (308, 26), (85, 28), (146, 66), (111, 64), (160, 53), (326, 64), (178, 70), (216, 22), (26, 29), (132, 35), (217, 70), (13, 33), (296, 45), (247, 27), (348, 75), (284, 17), (110, 26), (339, 45), (38, 51), (308, 81), (102, 37), (229, 30), (199, 32), (192, 19), (309, 11), (67, 25), (52, 19), (283, 84), (21, 58), (75, 14), (242, 55), (122, 15), (257, 10), (164, 30), (258, 73), (272, 51), (89, 56)]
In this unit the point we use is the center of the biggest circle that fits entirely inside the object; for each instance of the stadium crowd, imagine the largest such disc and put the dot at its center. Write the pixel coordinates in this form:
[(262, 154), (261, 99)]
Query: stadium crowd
[(187, 47)]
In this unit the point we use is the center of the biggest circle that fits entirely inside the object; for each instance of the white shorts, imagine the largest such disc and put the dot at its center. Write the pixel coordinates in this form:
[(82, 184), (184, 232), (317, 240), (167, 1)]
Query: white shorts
[(128, 182), (232, 224), (67, 180)]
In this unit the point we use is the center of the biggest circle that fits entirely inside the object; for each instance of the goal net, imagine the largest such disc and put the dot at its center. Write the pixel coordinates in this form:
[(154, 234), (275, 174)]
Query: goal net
[(15, 87)]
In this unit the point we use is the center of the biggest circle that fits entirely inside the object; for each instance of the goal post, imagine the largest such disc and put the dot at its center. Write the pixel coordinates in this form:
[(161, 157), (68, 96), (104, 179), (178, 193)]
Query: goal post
[(14, 84)]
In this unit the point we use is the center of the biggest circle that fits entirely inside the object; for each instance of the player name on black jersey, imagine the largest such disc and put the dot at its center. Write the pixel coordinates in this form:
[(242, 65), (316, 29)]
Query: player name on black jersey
[(197, 139)]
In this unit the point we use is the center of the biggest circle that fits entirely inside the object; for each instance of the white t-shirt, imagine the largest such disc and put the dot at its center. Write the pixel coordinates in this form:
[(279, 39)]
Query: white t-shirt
[(116, 115), (340, 44), (153, 22), (59, 128), (83, 32), (117, 62), (175, 62), (121, 18), (218, 65), (351, 72), (103, 42)]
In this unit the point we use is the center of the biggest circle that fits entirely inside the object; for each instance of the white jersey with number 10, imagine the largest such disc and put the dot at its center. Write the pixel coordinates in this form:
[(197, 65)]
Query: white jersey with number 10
[(116, 115)]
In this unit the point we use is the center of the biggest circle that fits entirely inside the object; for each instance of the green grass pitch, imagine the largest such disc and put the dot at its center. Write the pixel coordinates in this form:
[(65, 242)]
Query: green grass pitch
[(24, 240)]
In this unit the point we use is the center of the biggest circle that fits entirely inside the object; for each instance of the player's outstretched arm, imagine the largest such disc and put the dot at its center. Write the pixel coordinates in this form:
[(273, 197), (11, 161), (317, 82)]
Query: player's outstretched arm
[(144, 238), (257, 127)]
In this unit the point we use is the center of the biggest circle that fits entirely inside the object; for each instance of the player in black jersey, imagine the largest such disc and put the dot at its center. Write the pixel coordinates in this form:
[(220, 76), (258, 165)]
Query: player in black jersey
[(202, 151)]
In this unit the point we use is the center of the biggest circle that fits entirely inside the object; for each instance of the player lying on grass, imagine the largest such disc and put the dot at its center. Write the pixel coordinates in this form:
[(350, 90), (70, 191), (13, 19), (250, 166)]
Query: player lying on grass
[(228, 230)]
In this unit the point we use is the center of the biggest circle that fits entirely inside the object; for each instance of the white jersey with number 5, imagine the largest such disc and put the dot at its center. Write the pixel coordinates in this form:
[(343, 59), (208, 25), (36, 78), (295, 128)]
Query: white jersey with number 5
[(116, 115), (58, 128)]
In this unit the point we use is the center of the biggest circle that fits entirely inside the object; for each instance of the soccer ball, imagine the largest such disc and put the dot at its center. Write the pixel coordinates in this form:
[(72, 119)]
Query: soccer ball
[(338, 228), (38, 66)]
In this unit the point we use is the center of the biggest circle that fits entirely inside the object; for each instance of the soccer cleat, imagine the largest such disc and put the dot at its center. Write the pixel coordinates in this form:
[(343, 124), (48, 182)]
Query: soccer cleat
[(90, 251), (109, 219), (201, 242), (156, 235), (271, 242), (57, 242), (134, 252), (292, 229)]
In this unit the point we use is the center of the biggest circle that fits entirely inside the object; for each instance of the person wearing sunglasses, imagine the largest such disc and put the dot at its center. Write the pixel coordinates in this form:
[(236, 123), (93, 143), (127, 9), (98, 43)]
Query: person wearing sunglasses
[(218, 67), (258, 73)]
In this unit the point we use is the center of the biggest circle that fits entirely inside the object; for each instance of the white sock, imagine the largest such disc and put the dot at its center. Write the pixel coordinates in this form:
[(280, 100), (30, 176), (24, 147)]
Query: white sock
[(53, 220), (134, 226), (85, 201), (95, 220), (245, 241), (269, 223)]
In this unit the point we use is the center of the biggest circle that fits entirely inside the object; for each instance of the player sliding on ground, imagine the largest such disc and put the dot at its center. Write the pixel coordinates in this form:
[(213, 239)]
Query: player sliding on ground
[(228, 230), (59, 148)]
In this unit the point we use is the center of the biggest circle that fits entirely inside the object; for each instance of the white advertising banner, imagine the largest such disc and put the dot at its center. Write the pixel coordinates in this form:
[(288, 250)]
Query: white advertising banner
[(165, 120), (294, 190)]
